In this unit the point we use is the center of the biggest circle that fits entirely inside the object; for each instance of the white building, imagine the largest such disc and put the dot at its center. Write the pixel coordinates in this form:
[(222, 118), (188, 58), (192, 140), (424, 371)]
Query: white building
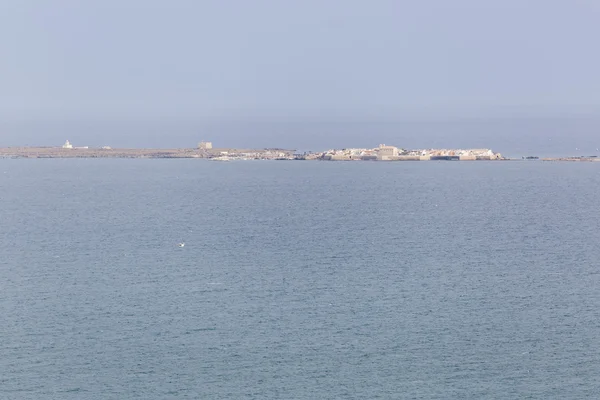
[(205, 145), (67, 145)]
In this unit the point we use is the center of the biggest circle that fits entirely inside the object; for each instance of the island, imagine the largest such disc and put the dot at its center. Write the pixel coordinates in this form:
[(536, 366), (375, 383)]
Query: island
[(205, 150)]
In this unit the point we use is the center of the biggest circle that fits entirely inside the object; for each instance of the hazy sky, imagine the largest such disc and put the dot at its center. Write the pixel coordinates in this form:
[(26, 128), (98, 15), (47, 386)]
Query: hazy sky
[(216, 59), (179, 58)]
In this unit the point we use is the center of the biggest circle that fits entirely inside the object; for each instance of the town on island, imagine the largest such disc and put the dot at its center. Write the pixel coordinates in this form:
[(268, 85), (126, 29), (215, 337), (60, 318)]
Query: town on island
[(205, 150)]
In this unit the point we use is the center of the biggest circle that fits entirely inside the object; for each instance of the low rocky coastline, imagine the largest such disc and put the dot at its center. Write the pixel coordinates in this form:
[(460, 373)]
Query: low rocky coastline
[(381, 153), (574, 159), (58, 152)]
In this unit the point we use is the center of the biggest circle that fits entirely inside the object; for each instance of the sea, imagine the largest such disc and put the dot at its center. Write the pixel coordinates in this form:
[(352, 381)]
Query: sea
[(299, 279)]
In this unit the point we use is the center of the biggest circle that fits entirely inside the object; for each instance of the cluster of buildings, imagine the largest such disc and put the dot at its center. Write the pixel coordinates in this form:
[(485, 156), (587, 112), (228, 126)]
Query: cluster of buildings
[(253, 155), (235, 154), (393, 153), (381, 153)]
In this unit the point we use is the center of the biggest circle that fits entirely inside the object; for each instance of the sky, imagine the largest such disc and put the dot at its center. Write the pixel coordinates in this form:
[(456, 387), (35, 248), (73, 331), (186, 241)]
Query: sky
[(146, 71)]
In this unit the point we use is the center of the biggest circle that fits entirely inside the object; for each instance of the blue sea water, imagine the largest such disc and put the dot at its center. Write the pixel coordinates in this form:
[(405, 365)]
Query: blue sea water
[(299, 280)]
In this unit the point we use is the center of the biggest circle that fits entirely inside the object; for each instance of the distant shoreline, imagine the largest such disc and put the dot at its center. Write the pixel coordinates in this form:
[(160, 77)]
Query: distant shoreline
[(58, 152), (227, 154)]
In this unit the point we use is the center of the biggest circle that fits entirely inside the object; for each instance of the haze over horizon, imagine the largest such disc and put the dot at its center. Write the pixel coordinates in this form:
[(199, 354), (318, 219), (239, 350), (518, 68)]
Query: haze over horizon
[(304, 74)]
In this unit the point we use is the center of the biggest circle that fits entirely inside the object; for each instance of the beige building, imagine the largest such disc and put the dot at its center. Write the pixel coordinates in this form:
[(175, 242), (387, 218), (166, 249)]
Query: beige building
[(387, 152), (205, 145)]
